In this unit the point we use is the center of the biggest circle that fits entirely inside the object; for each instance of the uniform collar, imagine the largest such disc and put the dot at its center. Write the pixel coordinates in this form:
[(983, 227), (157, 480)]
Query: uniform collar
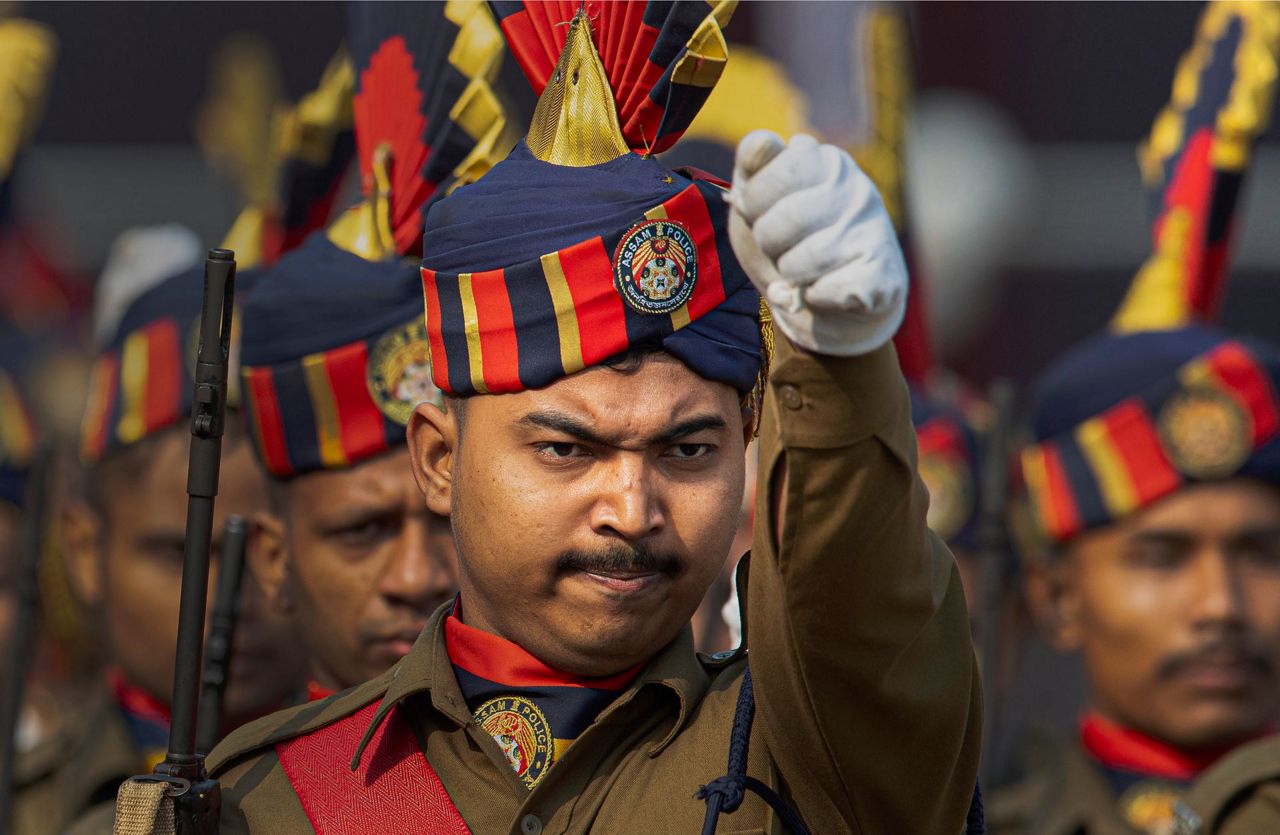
[(1084, 801), (427, 669), (1116, 746)]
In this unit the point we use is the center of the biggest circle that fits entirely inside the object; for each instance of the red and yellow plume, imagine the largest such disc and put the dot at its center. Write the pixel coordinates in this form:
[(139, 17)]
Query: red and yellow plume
[(426, 117), (315, 144), (884, 41), (1194, 163), (754, 92), (27, 52), (287, 161), (614, 77)]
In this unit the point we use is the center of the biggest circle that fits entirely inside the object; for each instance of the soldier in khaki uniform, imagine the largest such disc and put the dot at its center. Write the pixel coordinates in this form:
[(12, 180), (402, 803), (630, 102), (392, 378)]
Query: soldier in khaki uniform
[(1155, 475), (123, 539), (596, 325), (123, 532)]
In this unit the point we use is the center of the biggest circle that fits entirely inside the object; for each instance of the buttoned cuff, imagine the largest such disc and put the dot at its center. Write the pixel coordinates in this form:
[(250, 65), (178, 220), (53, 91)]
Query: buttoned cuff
[(826, 402)]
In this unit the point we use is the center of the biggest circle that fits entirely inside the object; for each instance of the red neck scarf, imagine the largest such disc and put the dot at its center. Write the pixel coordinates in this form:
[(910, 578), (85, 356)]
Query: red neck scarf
[(499, 660), (136, 701), (534, 712), (1115, 746)]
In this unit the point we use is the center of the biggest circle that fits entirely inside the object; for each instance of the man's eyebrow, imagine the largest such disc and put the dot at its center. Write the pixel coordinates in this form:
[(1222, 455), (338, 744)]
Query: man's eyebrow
[(571, 426), (1255, 533), (1170, 536)]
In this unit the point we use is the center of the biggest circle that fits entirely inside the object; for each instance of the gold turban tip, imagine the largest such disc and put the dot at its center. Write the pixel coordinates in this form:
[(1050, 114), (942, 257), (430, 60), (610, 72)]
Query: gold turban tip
[(576, 122)]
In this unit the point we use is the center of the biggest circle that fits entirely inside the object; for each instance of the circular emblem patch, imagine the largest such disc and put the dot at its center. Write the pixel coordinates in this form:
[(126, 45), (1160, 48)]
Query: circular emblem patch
[(1149, 807), (522, 732), (950, 489), (655, 266), (399, 372), (1205, 433)]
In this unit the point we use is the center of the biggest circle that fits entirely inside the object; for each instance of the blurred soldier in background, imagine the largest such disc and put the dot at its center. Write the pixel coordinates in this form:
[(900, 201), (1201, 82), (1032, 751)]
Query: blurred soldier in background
[(124, 544), (1155, 474), (336, 355), (123, 532)]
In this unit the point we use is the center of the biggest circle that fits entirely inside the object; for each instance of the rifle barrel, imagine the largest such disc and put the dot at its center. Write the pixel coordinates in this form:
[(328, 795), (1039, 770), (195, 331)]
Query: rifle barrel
[(219, 646), (207, 415)]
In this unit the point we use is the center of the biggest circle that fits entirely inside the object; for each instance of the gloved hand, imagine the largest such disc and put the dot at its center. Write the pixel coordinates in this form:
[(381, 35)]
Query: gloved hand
[(809, 229)]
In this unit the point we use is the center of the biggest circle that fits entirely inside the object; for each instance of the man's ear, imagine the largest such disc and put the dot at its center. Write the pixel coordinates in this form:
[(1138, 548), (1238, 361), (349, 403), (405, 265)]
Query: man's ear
[(1053, 597), (81, 529), (267, 552), (433, 444)]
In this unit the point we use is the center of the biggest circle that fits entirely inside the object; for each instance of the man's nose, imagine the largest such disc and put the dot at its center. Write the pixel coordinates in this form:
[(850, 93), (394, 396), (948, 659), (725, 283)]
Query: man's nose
[(413, 575), (1220, 590), (628, 506)]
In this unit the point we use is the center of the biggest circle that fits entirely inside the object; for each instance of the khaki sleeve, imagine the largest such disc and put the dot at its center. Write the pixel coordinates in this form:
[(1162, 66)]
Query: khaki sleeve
[(866, 682)]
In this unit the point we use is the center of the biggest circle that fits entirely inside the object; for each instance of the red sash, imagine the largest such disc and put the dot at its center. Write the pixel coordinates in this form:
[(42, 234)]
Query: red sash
[(394, 790)]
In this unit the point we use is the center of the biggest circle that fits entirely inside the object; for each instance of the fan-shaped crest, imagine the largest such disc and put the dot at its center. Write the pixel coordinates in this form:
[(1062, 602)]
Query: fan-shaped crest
[(424, 110), (661, 59)]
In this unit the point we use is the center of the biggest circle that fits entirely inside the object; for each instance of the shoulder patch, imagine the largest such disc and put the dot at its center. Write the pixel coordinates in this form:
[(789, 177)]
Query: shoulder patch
[(295, 721)]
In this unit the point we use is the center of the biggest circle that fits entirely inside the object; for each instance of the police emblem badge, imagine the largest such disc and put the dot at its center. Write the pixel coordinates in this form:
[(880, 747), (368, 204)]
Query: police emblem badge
[(399, 372), (951, 495), (655, 266), (522, 732), (1149, 807), (1205, 433)]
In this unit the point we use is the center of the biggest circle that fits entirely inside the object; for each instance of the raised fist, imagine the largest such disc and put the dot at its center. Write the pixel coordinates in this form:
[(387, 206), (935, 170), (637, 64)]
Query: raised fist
[(809, 229)]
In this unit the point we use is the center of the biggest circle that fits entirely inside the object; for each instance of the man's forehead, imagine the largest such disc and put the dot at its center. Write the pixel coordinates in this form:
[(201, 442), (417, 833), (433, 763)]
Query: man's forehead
[(660, 392), (1218, 506), (377, 479)]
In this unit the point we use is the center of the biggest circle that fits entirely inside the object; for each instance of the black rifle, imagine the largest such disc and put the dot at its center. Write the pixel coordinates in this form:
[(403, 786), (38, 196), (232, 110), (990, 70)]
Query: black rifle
[(994, 558), (219, 644), (27, 587), (197, 799)]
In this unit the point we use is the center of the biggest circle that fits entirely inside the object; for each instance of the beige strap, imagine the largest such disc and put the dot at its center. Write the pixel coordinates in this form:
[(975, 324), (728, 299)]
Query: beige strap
[(144, 807)]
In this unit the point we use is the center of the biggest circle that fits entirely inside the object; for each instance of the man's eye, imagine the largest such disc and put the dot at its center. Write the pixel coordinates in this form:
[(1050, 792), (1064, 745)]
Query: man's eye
[(1264, 553), (1158, 557), (557, 450), (365, 533), (686, 451)]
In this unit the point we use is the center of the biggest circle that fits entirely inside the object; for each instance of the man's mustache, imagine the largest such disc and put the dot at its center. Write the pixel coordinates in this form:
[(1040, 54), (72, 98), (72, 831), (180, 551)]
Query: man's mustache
[(620, 558), (1231, 650)]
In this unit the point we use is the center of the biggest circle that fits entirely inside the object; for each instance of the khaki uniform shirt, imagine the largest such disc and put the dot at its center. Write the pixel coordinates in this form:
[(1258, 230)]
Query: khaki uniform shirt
[(1239, 795), (868, 705), (74, 772)]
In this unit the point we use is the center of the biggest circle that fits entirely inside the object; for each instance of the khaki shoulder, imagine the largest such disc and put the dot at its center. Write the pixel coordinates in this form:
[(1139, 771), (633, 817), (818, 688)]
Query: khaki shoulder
[(42, 761), (1225, 788), (296, 721)]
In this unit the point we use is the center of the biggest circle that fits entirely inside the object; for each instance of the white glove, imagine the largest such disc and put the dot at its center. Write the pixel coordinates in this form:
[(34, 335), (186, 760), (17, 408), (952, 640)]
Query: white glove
[(809, 229)]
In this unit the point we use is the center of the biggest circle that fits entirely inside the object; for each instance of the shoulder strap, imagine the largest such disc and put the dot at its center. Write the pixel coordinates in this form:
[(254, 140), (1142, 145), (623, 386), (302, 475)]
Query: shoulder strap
[(370, 798)]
